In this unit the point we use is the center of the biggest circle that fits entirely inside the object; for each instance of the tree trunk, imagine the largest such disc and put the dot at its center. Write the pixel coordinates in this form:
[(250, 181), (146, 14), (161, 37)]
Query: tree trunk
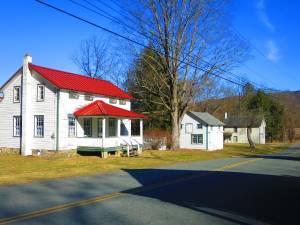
[(251, 143), (175, 132)]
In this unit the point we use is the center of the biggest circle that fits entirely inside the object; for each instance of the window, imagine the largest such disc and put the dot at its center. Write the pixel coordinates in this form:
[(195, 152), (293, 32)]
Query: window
[(113, 101), (88, 98), (100, 128), (135, 128), (122, 102), (235, 129), (40, 92), (197, 138), (124, 130), (1, 96), (181, 126), (17, 126), (17, 94), (72, 126), (73, 95), (39, 126), (87, 127), (112, 125), (199, 126), (188, 128)]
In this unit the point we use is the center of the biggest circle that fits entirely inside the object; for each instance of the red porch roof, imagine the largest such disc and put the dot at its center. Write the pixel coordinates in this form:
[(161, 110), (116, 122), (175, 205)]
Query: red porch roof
[(76, 82), (100, 108)]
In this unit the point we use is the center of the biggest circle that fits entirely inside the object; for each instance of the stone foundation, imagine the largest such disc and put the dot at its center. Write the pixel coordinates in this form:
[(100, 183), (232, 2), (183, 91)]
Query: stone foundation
[(15, 151), (36, 152)]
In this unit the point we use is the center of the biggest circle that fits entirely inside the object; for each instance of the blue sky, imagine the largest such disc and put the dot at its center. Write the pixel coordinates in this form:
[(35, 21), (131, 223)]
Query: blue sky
[(51, 38)]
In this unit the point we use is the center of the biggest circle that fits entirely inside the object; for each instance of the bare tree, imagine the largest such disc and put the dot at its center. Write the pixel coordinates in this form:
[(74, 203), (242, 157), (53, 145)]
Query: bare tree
[(193, 42), (92, 57), (97, 58)]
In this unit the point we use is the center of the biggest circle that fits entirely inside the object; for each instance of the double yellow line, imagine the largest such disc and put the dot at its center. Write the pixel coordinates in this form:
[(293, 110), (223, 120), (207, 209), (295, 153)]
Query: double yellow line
[(59, 208), (102, 198)]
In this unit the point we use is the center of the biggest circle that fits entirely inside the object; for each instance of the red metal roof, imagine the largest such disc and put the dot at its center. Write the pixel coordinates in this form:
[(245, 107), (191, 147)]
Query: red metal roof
[(100, 108), (76, 82)]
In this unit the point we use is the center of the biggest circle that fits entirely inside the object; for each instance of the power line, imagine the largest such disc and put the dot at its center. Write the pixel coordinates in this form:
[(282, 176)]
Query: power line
[(114, 19), (253, 46), (106, 15), (128, 39), (234, 75)]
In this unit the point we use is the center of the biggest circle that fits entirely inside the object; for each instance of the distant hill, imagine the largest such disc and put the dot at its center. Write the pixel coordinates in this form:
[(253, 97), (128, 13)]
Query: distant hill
[(289, 96), (291, 102), (289, 99)]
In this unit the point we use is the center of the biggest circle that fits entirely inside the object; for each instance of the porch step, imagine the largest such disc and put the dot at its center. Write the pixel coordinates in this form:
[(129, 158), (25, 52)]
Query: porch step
[(133, 150)]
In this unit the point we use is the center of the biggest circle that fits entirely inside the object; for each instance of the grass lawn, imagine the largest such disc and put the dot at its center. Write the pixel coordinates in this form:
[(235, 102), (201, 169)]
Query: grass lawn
[(17, 169)]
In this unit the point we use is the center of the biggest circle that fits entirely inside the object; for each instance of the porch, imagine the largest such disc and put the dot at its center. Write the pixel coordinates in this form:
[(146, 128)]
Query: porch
[(100, 127), (109, 135)]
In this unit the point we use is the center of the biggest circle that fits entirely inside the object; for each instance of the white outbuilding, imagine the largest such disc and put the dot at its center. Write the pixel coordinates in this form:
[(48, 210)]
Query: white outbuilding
[(201, 130)]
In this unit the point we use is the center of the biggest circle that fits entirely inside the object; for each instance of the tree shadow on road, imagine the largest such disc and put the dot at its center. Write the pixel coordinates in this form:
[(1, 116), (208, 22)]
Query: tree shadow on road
[(282, 157), (236, 197)]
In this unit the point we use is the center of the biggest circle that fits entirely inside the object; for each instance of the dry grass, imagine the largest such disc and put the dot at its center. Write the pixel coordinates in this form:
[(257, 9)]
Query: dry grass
[(17, 169)]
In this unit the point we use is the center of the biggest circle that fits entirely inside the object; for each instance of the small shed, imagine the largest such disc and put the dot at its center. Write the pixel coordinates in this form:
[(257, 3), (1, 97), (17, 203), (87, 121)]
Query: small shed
[(201, 130)]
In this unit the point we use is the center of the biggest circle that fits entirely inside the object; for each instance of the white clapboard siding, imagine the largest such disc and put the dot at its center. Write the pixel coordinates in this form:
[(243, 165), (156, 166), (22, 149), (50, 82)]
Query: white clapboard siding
[(212, 135), (67, 107), (47, 108), (8, 109), (257, 134)]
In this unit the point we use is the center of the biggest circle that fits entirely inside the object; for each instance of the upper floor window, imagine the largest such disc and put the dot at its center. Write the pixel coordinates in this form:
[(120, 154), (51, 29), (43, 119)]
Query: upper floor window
[(122, 102), (17, 94), (188, 128), (113, 101), (39, 126), (88, 98), (40, 92), (235, 129), (1, 96), (17, 126), (199, 126), (73, 95)]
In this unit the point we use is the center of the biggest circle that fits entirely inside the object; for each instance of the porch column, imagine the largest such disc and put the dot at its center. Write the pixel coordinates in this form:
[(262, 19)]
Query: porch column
[(129, 128), (103, 131), (141, 134), (141, 128), (118, 128)]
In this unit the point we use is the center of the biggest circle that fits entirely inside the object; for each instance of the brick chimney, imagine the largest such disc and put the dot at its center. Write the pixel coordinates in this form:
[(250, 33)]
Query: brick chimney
[(26, 99)]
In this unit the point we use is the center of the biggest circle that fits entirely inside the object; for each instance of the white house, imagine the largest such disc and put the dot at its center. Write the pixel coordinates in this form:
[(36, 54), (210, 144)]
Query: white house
[(201, 130), (48, 109), (235, 129)]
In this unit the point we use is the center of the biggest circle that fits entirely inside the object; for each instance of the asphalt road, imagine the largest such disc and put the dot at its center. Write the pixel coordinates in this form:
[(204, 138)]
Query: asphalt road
[(263, 190)]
